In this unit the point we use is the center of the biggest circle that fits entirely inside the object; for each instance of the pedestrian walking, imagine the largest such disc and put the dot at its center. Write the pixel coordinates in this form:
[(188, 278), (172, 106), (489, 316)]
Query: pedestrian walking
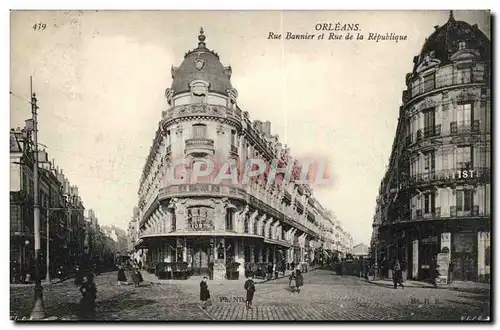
[(397, 274), (299, 280), (291, 281), (434, 272), (269, 271), (451, 267), (204, 292), (78, 275), (136, 277), (122, 278), (87, 303), (250, 288)]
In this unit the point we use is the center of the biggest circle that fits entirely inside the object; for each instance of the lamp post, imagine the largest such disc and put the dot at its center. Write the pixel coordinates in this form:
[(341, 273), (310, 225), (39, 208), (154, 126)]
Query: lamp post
[(38, 311)]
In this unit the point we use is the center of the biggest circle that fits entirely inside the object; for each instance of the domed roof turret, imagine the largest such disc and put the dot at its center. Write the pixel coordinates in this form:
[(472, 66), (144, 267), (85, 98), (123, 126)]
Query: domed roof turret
[(201, 64), (444, 42)]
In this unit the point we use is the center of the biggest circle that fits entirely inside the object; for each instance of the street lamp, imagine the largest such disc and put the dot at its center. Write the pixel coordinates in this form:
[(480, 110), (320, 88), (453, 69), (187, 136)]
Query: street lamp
[(38, 311)]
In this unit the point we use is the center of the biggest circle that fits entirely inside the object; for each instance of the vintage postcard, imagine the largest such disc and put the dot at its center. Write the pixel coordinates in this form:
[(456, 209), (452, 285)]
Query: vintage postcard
[(250, 165)]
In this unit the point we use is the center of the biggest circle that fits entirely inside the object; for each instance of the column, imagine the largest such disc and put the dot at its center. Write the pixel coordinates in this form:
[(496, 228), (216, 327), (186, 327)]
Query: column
[(215, 248), (185, 251), (251, 222), (239, 256), (415, 260), (261, 224), (252, 253), (223, 242)]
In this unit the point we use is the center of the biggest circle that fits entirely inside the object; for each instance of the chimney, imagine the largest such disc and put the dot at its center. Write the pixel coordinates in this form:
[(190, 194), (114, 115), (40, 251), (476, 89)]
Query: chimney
[(66, 187), (257, 124), (266, 128)]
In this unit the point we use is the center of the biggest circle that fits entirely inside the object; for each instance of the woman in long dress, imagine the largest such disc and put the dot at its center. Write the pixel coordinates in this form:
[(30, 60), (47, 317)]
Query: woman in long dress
[(122, 278), (204, 292), (87, 303)]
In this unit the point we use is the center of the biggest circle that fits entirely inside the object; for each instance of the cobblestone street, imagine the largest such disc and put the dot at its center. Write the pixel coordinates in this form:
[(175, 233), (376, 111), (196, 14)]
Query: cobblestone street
[(325, 296)]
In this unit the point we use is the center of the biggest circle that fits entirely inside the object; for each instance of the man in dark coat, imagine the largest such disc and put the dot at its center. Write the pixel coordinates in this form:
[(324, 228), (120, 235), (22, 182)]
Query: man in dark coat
[(250, 288), (204, 292), (136, 277), (269, 271), (397, 274), (299, 280), (434, 272)]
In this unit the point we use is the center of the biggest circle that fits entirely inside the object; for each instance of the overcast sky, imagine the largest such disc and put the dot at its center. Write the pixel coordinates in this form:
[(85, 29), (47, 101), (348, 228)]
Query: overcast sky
[(100, 78)]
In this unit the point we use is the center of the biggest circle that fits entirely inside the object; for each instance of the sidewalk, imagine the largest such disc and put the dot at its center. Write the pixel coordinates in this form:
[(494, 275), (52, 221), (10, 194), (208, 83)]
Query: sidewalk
[(456, 285)]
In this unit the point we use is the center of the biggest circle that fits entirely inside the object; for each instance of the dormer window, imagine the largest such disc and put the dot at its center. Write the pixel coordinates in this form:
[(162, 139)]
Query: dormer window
[(199, 91), (462, 45)]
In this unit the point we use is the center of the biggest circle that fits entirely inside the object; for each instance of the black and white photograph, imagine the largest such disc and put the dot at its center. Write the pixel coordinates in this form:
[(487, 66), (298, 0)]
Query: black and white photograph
[(250, 165)]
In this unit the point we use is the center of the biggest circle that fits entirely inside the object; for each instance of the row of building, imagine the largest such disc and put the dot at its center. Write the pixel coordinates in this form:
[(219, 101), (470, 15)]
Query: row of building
[(71, 234), (434, 202), (203, 223)]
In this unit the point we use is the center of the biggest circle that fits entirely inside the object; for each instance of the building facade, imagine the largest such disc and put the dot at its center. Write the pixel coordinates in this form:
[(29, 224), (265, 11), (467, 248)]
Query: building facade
[(204, 223), (132, 232), (434, 203), (59, 203)]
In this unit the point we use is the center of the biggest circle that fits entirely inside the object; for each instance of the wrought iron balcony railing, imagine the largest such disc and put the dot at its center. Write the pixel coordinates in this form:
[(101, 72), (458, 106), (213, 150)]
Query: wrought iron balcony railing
[(432, 131), (458, 128), (455, 174), (200, 145), (424, 86)]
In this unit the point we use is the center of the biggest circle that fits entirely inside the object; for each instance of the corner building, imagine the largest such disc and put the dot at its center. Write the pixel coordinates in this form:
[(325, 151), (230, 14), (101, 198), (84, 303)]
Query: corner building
[(435, 199), (204, 223)]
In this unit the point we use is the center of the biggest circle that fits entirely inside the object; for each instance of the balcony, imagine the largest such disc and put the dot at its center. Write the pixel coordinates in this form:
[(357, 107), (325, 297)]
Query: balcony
[(451, 175), (460, 128), (432, 131), (439, 214), (199, 146), (448, 80)]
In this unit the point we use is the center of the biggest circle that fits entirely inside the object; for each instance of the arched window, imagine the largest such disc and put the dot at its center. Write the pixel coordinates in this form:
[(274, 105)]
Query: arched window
[(255, 227), (270, 232)]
